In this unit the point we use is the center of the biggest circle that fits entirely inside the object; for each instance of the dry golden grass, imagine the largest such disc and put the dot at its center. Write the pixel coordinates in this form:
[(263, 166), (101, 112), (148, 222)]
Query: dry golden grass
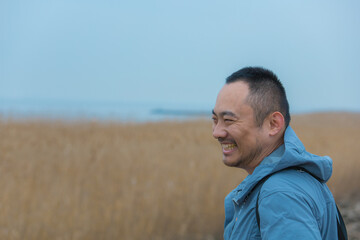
[(90, 180)]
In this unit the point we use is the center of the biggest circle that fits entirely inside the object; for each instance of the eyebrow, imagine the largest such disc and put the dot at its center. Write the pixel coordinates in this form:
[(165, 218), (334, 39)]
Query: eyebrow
[(225, 113)]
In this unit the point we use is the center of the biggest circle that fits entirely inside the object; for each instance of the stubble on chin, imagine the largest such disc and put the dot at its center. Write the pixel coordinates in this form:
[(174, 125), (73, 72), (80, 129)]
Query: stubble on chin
[(245, 161)]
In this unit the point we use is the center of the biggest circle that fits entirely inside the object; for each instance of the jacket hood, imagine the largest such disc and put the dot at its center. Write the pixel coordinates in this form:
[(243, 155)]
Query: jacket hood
[(292, 153)]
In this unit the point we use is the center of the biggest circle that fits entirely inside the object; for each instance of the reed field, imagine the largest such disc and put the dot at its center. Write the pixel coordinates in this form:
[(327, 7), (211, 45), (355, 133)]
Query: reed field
[(165, 180)]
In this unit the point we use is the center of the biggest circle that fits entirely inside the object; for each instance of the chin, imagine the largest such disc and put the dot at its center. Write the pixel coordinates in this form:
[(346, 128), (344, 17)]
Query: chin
[(230, 163)]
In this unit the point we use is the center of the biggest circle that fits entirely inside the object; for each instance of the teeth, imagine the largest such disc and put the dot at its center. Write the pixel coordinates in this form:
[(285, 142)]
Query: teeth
[(229, 146)]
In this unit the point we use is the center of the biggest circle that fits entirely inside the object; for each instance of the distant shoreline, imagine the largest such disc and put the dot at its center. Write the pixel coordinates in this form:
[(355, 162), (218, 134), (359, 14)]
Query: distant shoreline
[(180, 112), (166, 115)]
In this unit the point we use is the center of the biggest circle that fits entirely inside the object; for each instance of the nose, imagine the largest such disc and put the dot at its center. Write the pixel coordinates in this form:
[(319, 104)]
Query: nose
[(218, 131)]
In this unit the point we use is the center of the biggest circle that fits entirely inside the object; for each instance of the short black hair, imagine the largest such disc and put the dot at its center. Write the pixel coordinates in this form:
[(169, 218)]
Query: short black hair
[(267, 94)]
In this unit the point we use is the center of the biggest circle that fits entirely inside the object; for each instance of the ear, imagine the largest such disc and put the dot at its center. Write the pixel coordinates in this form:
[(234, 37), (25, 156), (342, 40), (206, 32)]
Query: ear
[(276, 123)]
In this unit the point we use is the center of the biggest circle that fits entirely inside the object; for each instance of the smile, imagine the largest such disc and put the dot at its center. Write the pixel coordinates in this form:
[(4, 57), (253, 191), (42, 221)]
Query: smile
[(228, 146)]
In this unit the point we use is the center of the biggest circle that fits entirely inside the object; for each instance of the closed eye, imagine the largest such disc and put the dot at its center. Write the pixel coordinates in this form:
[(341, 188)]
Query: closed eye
[(228, 120)]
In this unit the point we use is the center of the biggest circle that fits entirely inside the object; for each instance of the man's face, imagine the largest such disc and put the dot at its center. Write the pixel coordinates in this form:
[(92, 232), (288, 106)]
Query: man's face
[(235, 128)]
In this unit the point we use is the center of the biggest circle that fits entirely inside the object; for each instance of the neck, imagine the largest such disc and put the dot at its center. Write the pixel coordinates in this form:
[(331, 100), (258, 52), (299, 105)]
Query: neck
[(266, 151)]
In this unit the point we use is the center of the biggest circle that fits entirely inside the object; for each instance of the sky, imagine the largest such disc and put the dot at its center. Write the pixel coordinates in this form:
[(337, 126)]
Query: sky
[(177, 52)]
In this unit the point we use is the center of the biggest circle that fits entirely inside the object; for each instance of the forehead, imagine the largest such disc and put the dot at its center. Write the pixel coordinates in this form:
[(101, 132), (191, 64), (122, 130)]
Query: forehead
[(232, 96)]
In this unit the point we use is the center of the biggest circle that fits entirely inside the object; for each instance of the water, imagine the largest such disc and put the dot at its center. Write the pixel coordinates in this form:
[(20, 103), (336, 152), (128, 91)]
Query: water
[(114, 111)]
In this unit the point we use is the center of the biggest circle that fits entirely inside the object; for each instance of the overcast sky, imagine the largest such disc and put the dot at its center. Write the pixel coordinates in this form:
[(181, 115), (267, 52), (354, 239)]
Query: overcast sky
[(178, 51)]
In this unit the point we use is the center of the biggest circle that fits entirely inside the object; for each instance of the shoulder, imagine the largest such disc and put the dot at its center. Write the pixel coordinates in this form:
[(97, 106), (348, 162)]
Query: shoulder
[(293, 188), (291, 181), (285, 215), (285, 200), (297, 200), (295, 191)]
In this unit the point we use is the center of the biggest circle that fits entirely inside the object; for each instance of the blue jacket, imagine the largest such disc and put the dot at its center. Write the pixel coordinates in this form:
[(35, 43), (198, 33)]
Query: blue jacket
[(292, 204)]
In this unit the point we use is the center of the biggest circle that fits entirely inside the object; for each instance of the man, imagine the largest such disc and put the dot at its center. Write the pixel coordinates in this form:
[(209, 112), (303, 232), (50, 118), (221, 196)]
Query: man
[(251, 121)]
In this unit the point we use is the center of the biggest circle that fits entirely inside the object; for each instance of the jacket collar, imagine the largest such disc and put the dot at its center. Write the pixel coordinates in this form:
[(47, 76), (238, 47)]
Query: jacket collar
[(291, 153)]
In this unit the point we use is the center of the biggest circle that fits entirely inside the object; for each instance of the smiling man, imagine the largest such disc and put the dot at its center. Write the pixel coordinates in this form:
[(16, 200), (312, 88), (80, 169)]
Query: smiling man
[(251, 122)]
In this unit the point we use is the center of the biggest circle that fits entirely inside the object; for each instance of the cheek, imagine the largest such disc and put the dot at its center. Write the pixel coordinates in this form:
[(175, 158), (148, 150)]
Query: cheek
[(236, 135), (243, 138)]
